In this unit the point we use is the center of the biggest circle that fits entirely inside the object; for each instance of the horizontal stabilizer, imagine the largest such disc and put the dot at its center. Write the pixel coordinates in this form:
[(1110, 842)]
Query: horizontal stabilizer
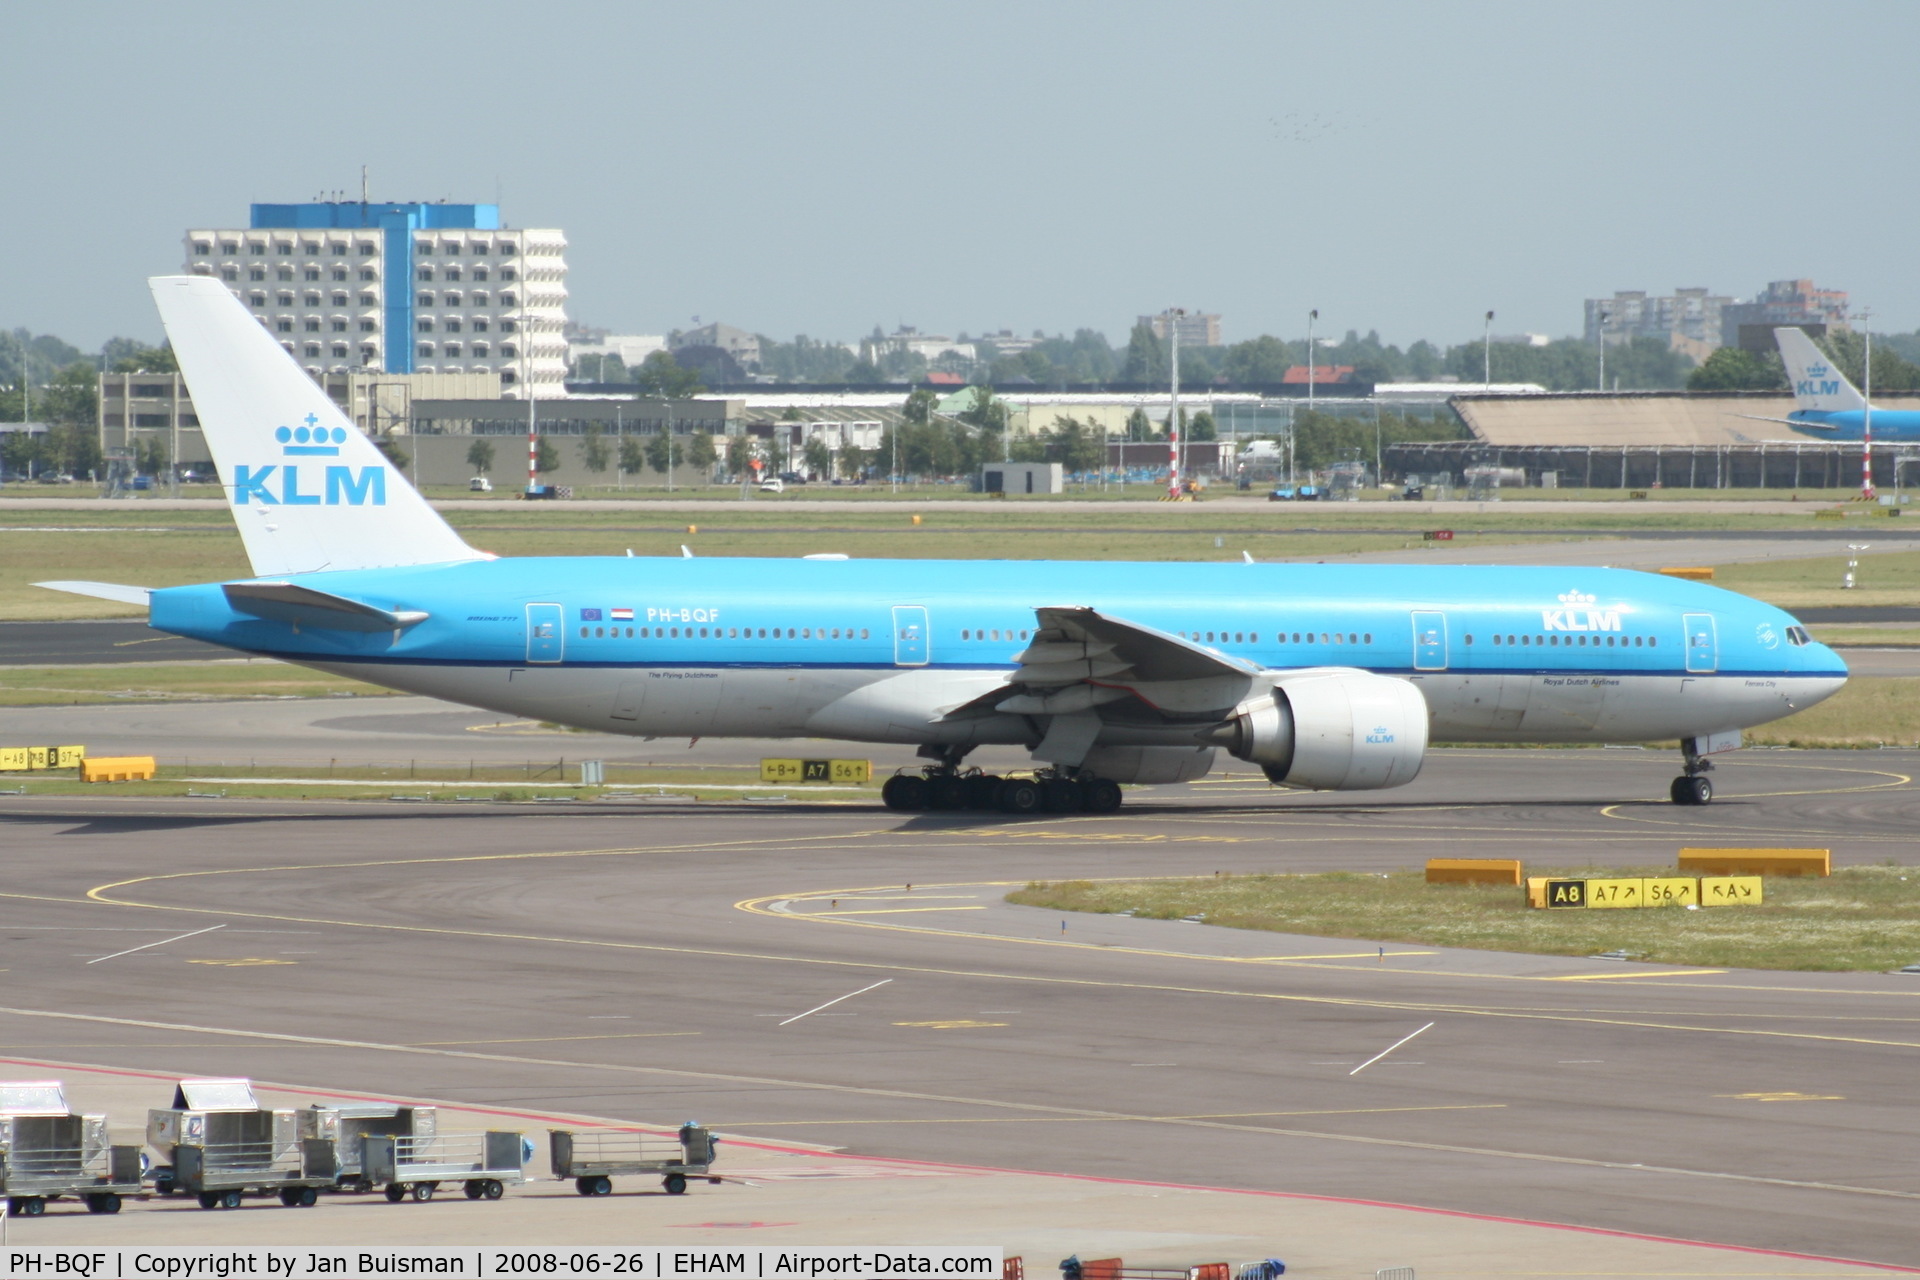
[(101, 591), (321, 610), (1805, 424)]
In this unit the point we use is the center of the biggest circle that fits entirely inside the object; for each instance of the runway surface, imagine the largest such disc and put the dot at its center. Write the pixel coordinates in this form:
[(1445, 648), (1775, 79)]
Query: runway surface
[(650, 961)]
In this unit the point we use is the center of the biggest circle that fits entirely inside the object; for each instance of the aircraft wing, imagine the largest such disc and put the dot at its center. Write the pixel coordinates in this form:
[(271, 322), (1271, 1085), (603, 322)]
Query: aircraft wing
[(1792, 422), (1081, 658)]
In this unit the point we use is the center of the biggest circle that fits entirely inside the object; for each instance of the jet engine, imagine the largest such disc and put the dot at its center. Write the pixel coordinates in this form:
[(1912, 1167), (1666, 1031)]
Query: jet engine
[(1340, 732)]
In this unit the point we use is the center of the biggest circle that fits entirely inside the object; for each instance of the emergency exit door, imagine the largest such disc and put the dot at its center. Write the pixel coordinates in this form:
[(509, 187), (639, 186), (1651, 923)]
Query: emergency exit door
[(1703, 651), (909, 635)]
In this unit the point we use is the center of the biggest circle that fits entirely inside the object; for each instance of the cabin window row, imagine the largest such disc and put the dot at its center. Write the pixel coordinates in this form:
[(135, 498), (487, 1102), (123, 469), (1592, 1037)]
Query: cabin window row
[(1582, 641), (725, 633)]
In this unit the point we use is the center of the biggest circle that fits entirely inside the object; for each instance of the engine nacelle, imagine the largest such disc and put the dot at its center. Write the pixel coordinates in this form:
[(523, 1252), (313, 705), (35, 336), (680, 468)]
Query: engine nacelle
[(1345, 732)]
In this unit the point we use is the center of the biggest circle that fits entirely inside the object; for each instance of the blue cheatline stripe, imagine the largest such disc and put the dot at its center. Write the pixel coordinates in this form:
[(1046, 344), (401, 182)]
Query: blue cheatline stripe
[(404, 660)]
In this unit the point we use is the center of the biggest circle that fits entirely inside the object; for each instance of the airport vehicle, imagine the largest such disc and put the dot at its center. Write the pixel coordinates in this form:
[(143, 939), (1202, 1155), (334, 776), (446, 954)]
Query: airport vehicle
[(1326, 676), (48, 1151), (1830, 408), (412, 1168), (593, 1158)]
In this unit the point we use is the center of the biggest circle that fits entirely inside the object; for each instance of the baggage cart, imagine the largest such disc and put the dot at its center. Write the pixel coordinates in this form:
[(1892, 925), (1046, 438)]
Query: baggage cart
[(48, 1151), (216, 1142), (345, 1128), (593, 1158), (414, 1167)]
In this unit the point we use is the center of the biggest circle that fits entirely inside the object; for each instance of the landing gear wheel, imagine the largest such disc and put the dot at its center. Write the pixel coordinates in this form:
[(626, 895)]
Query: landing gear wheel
[(904, 792), (105, 1202), (675, 1183), (396, 1193), (983, 791), (1063, 796), (947, 792), (1697, 789), (1102, 795), (1020, 795)]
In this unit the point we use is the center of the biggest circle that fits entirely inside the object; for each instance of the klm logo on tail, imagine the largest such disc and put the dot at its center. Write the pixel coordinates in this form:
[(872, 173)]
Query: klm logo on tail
[(366, 486), (1819, 381)]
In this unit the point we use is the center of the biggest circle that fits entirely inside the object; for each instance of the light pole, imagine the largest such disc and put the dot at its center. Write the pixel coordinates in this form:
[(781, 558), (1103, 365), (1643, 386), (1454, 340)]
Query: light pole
[(1311, 317), (1486, 353), (1866, 420), (1600, 328)]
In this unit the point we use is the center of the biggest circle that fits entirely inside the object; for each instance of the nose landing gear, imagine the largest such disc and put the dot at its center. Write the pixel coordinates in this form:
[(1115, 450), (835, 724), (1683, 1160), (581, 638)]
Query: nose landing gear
[(1693, 786)]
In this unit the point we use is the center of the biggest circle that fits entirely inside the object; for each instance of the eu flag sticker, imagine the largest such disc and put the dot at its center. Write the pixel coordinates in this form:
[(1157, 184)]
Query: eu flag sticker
[(589, 615)]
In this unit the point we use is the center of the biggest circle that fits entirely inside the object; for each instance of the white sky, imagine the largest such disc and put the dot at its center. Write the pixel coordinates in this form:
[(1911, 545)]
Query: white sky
[(826, 166)]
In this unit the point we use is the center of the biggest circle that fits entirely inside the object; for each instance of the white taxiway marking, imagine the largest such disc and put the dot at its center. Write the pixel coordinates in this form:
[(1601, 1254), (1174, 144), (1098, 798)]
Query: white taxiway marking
[(1384, 1052), (163, 942), (836, 1000)]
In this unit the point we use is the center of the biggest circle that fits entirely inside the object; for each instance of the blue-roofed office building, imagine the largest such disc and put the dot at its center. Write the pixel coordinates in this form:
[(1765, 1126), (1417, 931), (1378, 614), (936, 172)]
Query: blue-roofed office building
[(400, 288)]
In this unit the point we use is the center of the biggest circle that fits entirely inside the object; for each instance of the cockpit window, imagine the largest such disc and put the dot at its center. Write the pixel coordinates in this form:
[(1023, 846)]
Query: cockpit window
[(1798, 636)]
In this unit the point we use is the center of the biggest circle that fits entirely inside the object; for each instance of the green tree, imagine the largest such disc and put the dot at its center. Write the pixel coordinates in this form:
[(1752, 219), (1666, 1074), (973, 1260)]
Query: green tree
[(1146, 362), (396, 456), (596, 455), (853, 460), (987, 412), (1139, 425), (150, 455), (700, 452), (920, 404), (818, 456), (1259, 362), (661, 452), (546, 455), (1890, 371), (863, 373), (71, 398), (21, 453), (1202, 427), (661, 375), (633, 455), (739, 454), (147, 360), (1736, 369), (480, 455), (1077, 446)]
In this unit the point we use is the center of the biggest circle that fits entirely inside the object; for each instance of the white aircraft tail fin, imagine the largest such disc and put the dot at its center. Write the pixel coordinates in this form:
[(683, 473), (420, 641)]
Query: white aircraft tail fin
[(1817, 385), (309, 490)]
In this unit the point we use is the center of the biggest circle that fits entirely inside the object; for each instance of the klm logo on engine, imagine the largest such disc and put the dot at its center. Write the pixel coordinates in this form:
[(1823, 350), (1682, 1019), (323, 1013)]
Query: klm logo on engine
[(279, 484), (1380, 737), (1579, 618)]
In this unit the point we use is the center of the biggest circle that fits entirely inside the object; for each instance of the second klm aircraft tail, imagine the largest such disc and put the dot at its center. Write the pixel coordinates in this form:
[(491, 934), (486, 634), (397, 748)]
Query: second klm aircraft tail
[(1817, 385), (309, 489)]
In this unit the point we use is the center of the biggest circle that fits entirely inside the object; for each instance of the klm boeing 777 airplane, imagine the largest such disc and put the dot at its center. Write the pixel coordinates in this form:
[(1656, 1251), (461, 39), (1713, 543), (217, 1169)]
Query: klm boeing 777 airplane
[(1828, 405), (1325, 676)]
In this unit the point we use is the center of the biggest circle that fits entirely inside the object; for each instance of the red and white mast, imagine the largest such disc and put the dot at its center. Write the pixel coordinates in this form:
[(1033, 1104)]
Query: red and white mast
[(1174, 492), (1866, 421)]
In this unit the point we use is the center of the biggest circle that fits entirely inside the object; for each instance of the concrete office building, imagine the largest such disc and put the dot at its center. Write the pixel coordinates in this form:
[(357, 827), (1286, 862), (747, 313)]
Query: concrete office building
[(400, 288), (1196, 328)]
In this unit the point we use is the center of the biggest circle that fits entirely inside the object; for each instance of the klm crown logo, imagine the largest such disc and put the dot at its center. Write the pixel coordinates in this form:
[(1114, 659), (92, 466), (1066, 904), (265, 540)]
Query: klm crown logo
[(1575, 597), (1818, 370), (310, 441), (342, 486)]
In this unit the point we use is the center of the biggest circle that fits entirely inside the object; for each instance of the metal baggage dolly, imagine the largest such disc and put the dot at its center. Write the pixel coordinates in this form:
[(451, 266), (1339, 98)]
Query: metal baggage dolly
[(414, 1168), (345, 1128), (216, 1142), (47, 1151), (593, 1158)]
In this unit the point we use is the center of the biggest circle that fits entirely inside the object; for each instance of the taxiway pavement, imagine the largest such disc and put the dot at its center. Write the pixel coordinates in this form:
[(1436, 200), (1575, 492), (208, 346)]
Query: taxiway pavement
[(645, 962)]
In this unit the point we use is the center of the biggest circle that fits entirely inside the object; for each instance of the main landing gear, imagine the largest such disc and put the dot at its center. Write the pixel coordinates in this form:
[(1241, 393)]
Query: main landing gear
[(1049, 791), (1692, 786)]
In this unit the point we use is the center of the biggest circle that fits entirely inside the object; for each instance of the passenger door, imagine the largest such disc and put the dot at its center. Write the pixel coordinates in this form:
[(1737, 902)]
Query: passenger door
[(909, 635), (546, 638), (1703, 652), (1429, 641)]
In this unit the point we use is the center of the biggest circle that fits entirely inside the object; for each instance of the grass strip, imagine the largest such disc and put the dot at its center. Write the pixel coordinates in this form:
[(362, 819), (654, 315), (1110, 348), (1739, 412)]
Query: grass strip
[(1858, 919)]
